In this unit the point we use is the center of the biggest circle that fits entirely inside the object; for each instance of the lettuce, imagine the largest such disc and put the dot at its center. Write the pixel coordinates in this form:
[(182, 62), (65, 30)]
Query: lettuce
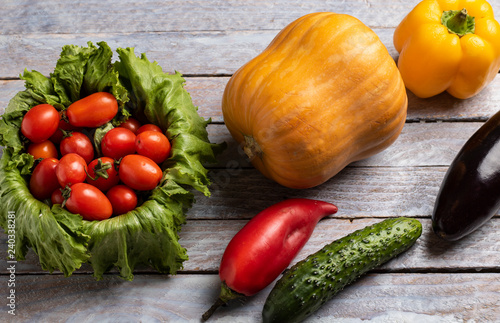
[(148, 235)]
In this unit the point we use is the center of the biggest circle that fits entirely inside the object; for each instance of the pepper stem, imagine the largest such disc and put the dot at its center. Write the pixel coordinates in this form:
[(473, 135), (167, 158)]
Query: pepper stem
[(226, 294), (458, 22)]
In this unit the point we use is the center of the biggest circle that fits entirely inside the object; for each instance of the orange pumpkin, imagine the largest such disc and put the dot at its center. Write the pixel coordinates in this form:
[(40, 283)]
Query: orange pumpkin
[(323, 94)]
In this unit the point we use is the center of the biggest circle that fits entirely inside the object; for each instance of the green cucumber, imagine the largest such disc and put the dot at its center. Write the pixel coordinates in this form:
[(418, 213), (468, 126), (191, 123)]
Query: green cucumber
[(307, 285)]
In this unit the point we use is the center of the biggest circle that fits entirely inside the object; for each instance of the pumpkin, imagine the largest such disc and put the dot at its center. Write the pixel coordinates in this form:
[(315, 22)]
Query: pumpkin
[(324, 93)]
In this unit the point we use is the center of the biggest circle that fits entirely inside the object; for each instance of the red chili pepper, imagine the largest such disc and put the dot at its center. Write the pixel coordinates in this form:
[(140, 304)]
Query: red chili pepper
[(265, 246)]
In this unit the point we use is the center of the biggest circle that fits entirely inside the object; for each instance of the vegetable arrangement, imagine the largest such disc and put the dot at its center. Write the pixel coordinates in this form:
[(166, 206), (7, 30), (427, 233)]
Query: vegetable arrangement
[(265, 246), (110, 186), (77, 226), (300, 128), (314, 280)]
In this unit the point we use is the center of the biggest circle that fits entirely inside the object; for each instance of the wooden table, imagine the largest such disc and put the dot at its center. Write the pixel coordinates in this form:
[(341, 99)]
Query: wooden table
[(207, 41)]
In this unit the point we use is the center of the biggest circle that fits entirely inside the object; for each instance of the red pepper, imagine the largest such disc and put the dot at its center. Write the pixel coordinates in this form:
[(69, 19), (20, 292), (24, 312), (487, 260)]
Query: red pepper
[(265, 246)]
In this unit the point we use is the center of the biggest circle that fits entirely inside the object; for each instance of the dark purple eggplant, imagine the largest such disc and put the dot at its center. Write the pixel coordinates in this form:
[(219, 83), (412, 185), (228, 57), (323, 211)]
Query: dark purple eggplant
[(470, 192)]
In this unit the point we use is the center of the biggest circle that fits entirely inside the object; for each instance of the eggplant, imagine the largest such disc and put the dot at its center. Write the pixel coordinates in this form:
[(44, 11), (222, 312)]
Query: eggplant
[(470, 192)]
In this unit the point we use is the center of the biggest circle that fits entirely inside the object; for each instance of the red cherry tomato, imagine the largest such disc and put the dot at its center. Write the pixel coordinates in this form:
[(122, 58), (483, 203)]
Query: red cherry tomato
[(139, 172), (148, 127), (153, 144), (71, 169), (89, 202), (122, 198), (44, 149), (93, 110), (57, 197), (102, 173), (117, 143), (78, 143), (58, 136), (40, 122), (43, 180), (131, 124)]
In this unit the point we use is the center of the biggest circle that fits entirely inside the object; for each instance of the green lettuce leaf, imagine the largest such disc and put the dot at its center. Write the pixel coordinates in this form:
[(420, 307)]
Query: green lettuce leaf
[(54, 234), (164, 101), (148, 235), (38, 90)]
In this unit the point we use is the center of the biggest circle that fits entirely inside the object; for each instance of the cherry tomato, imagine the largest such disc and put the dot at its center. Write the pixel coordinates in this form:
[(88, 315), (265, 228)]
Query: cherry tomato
[(89, 202), (139, 172), (102, 173), (71, 169), (40, 122), (78, 143), (117, 143), (58, 136), (44, 149), (93, 110), (57, 197), (131, 124), (153, 144), (43, 180), (148, 127), (122, 198)]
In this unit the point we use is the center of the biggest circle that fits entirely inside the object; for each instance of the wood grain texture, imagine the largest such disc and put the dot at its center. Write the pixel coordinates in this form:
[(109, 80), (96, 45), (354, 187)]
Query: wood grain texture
[(183, 298), (198, 37), (206, 93), (23, 17), (207, 41), (204, 52), (476, 252), (359, 192), (419, 144), (32, 17), (379, 186)]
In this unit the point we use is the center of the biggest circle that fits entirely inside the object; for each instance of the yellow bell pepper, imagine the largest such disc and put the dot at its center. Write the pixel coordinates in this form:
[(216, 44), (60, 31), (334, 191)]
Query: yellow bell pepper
[(448, 45)]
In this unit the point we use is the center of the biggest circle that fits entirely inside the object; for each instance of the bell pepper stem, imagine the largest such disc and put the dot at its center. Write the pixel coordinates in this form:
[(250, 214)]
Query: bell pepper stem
[(458, 22)]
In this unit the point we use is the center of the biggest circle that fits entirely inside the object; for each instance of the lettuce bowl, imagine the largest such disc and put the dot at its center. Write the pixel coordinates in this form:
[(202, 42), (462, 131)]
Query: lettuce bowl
[(147, 235)]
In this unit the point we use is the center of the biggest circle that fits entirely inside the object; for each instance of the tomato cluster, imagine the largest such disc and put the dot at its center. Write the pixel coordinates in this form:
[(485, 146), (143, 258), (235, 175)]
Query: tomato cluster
[(71, 173)]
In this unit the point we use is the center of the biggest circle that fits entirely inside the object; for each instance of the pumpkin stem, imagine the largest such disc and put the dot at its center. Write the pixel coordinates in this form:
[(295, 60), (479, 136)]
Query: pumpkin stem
[(252, 148), (458, 22)]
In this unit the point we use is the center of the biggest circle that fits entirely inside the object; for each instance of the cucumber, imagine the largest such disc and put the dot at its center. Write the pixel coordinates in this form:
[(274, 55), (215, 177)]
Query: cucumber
[(307, 285)]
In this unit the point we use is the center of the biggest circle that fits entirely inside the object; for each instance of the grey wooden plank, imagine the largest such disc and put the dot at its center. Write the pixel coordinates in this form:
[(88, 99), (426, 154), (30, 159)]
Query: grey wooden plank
[(359, 192), (479, 251), (28, 16), (206, 93), (183, 298), (8, 89), (419, 144), (25, 17), (204, 52)]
